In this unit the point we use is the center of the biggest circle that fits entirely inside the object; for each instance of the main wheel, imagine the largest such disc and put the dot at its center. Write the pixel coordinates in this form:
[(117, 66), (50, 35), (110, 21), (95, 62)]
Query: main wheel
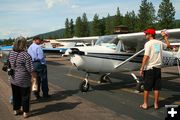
[(83, 87), (140, 87)]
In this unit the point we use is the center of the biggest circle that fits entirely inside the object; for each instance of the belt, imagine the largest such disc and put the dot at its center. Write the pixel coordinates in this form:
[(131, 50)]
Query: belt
[(36, 61)]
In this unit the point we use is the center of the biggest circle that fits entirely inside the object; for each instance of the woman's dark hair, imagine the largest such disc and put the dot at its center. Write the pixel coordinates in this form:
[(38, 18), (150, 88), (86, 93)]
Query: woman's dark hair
[(20, 44)]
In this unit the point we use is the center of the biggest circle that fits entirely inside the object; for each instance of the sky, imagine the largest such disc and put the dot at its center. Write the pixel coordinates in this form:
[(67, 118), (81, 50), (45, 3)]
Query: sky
[(31, 17)]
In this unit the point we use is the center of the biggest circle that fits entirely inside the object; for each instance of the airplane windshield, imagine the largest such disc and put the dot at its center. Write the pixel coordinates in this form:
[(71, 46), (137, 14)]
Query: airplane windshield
[(108, 41)]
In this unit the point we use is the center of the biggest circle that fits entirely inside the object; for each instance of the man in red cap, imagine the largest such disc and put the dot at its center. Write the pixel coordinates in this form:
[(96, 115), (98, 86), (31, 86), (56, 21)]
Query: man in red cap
[(151, 65)]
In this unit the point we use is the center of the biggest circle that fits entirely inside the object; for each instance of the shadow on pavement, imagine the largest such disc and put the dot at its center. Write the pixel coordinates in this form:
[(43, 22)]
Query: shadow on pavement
[(54, 108), (57, 96)]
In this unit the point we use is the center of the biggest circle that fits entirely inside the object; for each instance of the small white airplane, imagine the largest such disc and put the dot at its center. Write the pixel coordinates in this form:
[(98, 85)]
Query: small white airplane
[(116, 53), (61, 45)]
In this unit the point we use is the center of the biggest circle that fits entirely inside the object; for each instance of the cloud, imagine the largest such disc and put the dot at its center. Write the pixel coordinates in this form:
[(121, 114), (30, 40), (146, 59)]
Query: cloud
[(75, 6), (68, 3), (13, 33), (51, 3)]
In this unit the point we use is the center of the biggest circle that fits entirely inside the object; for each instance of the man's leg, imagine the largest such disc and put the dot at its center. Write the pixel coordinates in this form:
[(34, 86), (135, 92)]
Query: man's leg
[(157, 86), (146, 96), (156, 98), (44, 81)]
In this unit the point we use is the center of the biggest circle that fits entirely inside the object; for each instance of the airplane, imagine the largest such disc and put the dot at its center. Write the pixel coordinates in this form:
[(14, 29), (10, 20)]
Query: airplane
[(61, 45), (5, 50), (119, 53)]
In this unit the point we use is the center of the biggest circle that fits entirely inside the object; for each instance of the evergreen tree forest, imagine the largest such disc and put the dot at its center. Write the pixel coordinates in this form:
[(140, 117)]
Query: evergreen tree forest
[(145, 18)]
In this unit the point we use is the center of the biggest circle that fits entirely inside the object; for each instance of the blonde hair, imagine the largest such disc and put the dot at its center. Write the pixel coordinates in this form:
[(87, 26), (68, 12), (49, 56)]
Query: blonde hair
[(20, 44)]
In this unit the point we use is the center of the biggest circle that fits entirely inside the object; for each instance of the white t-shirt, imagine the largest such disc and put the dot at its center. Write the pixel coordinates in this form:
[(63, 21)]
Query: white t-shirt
[(153, 49)]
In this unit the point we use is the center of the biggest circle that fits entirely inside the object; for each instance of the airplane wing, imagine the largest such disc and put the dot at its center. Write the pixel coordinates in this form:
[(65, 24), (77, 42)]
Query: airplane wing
[(137, 40), (79, 39)]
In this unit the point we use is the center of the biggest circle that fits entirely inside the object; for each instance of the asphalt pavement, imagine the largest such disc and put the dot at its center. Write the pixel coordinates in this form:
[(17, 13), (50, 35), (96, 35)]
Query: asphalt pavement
[(115, 101)]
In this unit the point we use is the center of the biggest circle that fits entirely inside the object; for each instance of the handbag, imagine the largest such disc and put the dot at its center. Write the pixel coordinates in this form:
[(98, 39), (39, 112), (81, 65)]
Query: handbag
[(11, 71), (5, 67)]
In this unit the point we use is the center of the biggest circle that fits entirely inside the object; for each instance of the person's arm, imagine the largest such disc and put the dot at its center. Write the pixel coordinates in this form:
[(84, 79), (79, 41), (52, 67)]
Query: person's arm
[(40, 53), (165, 36), (145, 59)]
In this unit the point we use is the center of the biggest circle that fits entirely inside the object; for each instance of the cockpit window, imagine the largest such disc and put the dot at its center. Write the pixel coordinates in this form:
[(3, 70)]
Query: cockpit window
[(108, 41)]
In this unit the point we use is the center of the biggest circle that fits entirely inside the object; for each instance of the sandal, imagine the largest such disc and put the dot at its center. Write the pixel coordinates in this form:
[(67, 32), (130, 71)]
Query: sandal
[(156, 107), (142, 107)]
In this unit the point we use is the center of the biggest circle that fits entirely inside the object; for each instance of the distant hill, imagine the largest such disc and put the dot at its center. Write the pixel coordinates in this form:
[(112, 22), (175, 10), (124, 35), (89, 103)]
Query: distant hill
[(53, 34)]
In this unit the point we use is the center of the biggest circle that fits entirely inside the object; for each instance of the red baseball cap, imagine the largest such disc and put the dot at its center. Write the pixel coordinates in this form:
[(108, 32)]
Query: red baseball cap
[(150, 31)]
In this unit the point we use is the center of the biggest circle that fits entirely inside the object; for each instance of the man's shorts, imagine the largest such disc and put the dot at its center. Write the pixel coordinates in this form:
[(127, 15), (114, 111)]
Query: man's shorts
[(152, 79)]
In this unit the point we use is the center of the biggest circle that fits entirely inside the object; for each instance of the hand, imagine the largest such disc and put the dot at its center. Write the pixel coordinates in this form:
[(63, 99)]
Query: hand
[(164, 34), (141, 72)]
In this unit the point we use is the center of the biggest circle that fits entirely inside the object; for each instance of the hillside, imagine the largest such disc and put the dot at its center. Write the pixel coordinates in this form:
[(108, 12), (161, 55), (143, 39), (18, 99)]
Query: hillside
[(53, 34)]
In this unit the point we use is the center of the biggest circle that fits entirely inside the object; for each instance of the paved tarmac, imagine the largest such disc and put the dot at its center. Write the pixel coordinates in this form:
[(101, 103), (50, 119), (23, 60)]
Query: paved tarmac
[(116, 101)]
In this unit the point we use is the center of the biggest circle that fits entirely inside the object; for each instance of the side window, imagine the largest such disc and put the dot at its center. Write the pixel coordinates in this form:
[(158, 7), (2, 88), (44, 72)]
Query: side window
[(120, 47)]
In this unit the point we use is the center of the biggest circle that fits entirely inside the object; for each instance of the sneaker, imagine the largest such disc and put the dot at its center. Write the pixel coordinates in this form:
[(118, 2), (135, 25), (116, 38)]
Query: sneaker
[(17, 112), (26, 115), (46, 96)]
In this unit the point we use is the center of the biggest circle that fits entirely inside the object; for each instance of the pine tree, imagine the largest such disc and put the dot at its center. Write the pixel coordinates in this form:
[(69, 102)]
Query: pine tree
[(78, 27), (67, 28), (102, 26), (118, 20), (108, 25), (130, 20), (71, 26), (85, 27), (146, 15), (166, 15), (96, 26)]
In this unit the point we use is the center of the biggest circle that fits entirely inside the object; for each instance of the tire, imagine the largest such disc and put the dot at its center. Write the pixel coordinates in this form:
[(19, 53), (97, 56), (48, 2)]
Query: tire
[(140, 87), (82, 86)]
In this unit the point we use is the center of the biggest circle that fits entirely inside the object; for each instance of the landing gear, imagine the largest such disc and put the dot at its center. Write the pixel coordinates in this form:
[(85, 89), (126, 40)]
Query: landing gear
[(105, 78), (84, 85), (140, 86), (140, 83)]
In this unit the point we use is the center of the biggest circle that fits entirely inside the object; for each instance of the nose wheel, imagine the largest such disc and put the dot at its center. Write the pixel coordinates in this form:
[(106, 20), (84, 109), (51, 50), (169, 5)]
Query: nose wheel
[(84, 85)]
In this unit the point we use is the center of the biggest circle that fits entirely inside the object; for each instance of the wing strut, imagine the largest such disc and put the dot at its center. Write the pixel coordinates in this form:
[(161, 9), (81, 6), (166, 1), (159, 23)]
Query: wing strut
[(130, 58)]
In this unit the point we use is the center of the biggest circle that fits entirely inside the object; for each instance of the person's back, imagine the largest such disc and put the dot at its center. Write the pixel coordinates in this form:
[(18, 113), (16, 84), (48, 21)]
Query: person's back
[(40, 67), (21, 63), (153, 49), (22, 71), (36, 53)]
